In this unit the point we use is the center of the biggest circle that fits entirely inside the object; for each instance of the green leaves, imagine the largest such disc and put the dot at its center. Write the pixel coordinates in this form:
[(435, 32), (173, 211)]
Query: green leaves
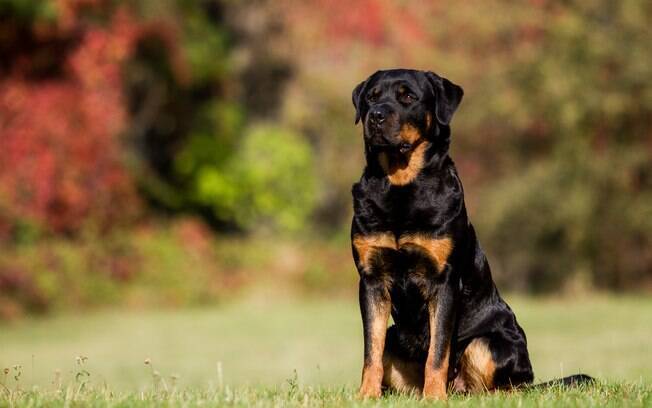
[(268, 182)]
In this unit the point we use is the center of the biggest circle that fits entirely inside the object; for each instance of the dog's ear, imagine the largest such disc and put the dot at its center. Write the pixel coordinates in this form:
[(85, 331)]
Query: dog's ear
[(358, 93), (447, 97)]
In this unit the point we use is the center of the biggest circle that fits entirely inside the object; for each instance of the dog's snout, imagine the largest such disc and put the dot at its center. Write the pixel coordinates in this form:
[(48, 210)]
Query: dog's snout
[(377, 116), (381, 125)]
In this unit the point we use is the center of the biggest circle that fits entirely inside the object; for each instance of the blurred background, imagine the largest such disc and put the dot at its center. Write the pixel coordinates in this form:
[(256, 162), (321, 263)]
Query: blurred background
[(175, 178)]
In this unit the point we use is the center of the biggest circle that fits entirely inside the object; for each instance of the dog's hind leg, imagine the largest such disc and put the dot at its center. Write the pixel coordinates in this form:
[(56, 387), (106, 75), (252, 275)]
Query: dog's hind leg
[(490, 363), (477, 368)]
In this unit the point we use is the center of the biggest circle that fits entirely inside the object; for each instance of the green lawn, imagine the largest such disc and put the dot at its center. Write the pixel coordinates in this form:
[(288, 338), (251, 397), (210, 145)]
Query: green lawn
[(300, 352)]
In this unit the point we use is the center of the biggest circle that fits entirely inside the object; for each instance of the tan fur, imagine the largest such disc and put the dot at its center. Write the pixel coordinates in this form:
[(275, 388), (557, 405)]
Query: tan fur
[(365, 245), (403, 169), (439, 249), (436, 376), (371, 382), (409, 133), (477, 368), (372, 372), (402, 375)]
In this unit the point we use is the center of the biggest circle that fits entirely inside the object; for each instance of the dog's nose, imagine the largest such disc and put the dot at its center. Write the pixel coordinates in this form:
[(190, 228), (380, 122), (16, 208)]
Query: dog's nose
[(377, 117)]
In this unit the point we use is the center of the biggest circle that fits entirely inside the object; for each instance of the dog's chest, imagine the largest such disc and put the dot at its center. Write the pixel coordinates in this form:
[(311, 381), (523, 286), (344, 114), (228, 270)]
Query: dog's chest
[(427, 206)]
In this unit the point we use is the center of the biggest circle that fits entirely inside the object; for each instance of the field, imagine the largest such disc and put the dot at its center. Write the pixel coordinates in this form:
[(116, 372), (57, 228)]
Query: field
[(299, 352)]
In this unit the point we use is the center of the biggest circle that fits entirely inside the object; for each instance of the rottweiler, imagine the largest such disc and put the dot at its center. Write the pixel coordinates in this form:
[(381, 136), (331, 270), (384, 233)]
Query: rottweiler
[(418, 256)]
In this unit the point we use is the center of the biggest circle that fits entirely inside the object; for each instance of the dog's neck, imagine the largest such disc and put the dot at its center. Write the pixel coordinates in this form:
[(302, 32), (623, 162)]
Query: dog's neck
[(403, 168)]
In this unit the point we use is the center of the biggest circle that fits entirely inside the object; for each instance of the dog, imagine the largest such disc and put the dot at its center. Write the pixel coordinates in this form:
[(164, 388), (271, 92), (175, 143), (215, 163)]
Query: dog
[(418, 256)]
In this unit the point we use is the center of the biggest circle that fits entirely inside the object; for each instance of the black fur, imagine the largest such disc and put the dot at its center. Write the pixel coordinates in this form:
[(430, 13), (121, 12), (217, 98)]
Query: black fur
[(433, 204)]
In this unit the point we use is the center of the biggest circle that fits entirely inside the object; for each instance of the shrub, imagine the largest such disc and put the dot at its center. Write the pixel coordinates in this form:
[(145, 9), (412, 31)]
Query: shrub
[(268, 182), (573, 221), (61, 114)]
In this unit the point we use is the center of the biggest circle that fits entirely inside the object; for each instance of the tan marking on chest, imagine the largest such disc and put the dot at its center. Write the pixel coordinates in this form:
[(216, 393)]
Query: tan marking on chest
[(439, 249), (401, 169), (365, 245)]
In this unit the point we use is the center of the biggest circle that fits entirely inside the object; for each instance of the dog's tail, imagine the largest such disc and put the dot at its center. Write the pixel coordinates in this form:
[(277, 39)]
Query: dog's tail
[(570, 381)]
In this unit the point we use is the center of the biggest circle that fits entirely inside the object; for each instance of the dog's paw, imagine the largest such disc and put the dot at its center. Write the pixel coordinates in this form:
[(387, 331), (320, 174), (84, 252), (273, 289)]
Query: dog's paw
[(369, 392), (371, 386), (435, 392)]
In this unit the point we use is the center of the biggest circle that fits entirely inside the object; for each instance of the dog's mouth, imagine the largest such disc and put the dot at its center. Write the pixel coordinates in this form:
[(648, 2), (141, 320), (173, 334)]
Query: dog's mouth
[(405, 147), (379, 140), (402, 147)]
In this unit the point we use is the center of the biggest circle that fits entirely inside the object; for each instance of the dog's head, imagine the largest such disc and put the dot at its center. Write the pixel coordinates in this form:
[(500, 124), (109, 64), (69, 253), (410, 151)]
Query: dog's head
[(400, 107)]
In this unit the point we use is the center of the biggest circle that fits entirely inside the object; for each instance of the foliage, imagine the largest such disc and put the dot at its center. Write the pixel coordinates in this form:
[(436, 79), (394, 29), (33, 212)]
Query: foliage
[(175, 264), (160, 78), (576, 220), (239, 175), (60, 114), (151, 266), (110, 110), (115, 115), (267, 182), (581, 210)]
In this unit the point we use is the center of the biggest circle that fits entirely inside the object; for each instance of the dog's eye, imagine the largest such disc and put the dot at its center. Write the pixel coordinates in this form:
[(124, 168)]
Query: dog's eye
[(407, 98), (373, 96)]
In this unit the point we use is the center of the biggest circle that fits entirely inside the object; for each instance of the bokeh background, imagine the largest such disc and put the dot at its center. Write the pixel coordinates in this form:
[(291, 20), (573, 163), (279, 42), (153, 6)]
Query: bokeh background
[(175, 178)]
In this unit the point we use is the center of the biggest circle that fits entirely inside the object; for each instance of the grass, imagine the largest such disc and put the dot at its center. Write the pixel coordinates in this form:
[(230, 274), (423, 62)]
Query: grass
[(614, 395), (299, 353)]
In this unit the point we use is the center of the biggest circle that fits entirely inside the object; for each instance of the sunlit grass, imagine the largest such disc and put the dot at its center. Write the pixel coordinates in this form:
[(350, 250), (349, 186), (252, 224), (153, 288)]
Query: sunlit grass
[(291, 394), (298, 352)]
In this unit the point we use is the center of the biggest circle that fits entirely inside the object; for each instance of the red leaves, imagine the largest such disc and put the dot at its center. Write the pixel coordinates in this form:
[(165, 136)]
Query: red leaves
[(60, 154), (371, 22)]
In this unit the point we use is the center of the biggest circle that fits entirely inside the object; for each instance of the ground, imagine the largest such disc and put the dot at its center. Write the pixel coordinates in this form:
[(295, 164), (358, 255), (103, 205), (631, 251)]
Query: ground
[(299, 353)]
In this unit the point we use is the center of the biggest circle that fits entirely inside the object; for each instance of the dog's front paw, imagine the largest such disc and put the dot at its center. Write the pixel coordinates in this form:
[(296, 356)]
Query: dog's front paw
[(371, 383), (435, 391), (369, 392)]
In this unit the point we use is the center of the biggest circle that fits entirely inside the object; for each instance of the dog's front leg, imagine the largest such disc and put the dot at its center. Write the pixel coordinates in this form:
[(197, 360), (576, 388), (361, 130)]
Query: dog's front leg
[(375, 306), (441, 316)]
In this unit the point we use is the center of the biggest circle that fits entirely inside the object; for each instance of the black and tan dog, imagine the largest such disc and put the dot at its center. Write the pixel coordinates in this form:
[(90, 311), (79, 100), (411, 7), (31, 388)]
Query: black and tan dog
[(417, 253)]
